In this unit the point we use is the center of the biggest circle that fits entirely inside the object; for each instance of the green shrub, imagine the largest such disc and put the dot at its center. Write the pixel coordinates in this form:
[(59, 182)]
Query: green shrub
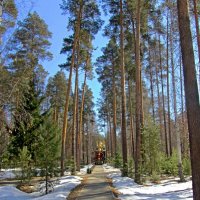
[(131, 168), (118, 161), (169, 165), (73, 168), (110, 161), (155, 178), (187, 166), (150, 147)]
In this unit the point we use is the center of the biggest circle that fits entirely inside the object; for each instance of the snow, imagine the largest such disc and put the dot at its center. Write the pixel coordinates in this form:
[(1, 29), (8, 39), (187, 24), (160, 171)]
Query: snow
[(83, 170), (8, 173), (166, 190), (61, 190), (128, 189), (12, 173)]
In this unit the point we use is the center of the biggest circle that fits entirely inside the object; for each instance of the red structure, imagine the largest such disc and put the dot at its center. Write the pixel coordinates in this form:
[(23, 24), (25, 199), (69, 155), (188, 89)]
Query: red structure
[(100, 156)]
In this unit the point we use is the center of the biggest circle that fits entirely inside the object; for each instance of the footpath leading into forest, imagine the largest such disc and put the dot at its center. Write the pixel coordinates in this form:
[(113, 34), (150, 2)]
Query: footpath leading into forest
[(95, 186)]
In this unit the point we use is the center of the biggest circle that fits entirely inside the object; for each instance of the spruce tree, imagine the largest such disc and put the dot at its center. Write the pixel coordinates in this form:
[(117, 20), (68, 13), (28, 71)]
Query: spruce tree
[(48, 149), (27, 119)]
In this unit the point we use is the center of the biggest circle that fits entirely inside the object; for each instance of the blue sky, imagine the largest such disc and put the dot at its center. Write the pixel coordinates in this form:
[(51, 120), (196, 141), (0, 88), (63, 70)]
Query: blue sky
[(50, 11)]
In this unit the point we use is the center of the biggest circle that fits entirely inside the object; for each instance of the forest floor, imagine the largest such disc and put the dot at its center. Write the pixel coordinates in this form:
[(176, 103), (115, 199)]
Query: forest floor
[(101, 184)]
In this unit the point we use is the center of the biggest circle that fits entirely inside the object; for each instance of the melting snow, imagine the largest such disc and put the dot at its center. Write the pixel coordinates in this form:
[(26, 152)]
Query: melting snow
[(166, 190)]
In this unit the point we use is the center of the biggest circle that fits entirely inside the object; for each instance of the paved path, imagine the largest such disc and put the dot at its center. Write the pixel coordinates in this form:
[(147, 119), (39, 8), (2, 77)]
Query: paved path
[(96, 186)]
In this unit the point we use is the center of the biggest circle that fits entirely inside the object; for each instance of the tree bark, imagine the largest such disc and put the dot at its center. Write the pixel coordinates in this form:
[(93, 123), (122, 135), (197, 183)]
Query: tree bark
[(123, 103), (151, 83), (185, 149), (178, 142), (74, 128), (191, 93), (168, 90), (114, 111), (131, 121), (111, 135), (76, 131), (163, 98), (159, 110), (65, 121), (138, 98), (81, 133)]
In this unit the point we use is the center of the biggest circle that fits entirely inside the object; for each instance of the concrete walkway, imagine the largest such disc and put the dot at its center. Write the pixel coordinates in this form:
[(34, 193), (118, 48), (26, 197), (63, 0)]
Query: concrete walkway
[(96, 186)]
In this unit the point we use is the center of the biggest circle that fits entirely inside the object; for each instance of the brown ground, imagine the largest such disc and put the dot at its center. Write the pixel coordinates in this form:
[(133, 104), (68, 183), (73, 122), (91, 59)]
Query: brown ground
[(25, 187)]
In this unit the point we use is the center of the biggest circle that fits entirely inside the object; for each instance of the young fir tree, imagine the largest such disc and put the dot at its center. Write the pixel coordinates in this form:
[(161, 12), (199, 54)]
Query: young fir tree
[(48, 149), (27, 119), (25, 164)]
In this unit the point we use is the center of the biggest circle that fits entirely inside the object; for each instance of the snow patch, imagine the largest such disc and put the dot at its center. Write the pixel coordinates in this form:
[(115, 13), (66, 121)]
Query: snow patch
[(61, 190), (166, 190)]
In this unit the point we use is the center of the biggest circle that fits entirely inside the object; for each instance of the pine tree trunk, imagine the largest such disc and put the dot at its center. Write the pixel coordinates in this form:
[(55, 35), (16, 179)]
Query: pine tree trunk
[(131, 121), (138, 98), (159, 111), (114, 111), (74, 128), (151, 84), (123, 103), (77, 133), (90, 140), (81, 133), (168, 91), (191, 93), (87, 141), (109, 129), (178, 142), (183, 122), (163, 98), (65, 121), (108, 142), (111, 135)]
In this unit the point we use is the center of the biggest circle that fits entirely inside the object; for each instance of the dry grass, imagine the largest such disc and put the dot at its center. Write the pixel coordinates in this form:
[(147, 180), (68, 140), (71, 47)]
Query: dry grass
[(26, 188)]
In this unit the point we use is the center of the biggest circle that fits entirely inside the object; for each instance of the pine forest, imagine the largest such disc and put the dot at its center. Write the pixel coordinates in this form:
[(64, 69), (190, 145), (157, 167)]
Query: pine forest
[(145, 120)]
